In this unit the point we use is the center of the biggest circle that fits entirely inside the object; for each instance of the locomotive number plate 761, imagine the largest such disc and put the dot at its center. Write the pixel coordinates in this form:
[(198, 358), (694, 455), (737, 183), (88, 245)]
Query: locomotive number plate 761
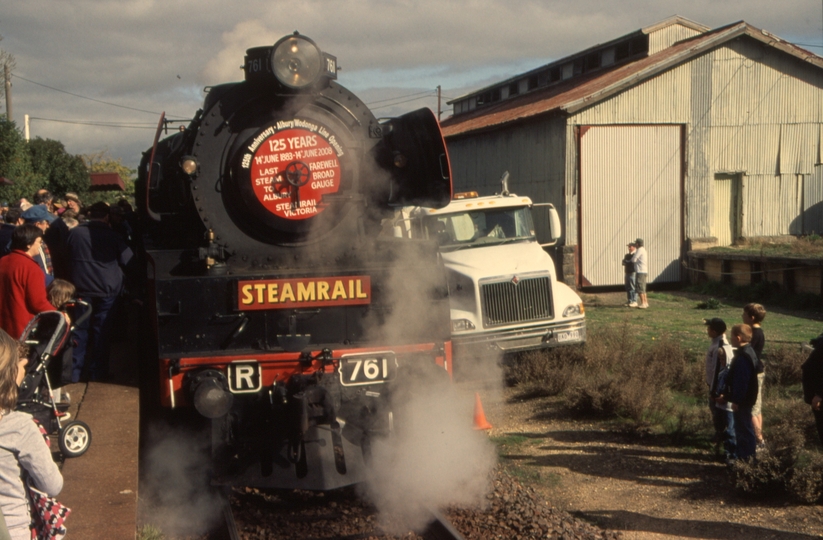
[(375, 368)]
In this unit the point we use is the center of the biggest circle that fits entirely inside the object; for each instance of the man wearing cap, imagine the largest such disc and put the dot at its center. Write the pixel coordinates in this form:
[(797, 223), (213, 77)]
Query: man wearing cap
[(718, 360), (642, 269), (40, 216), (98, 256), (631, 276), (73, 202)]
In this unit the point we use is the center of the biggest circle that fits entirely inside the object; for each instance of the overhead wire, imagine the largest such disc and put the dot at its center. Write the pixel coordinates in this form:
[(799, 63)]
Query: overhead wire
[(84, 97), (400, 97), (132, 125), (390, 102)]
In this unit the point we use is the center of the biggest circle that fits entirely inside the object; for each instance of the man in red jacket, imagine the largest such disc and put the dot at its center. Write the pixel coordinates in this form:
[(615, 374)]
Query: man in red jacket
[(22, 283)]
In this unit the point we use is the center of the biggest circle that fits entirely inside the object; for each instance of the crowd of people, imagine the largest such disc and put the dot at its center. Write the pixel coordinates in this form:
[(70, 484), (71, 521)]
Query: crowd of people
[(735, 368), (735, 375), (55, 255)]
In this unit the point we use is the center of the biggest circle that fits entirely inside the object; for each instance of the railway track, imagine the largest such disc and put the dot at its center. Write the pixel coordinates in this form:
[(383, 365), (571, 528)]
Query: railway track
[(440, 528), (303, 521)]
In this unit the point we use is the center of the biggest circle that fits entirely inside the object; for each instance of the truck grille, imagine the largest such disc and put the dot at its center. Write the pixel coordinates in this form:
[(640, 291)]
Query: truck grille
[(507, 303)]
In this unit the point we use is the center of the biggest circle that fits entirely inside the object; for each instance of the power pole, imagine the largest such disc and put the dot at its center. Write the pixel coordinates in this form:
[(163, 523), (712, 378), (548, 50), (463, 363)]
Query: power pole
[(7, 74), (438, 102)]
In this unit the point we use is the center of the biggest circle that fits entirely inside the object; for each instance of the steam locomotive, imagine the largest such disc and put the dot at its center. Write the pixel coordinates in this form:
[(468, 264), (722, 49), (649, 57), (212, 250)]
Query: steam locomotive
[(277, 309)]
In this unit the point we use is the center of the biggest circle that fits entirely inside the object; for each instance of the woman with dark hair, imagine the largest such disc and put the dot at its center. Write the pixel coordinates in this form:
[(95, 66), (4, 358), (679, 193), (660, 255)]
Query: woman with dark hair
[(22, 282), (23, 452)]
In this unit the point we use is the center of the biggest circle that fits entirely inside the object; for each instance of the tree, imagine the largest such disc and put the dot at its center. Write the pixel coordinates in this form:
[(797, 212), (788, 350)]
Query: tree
[(15, 164), (62, 171)]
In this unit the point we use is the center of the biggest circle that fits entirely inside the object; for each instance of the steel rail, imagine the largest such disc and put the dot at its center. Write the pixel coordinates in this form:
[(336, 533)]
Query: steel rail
[(440, 528)]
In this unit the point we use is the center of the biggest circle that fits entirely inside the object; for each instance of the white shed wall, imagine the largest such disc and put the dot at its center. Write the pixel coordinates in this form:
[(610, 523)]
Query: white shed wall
[(748, 109), (669, 35)]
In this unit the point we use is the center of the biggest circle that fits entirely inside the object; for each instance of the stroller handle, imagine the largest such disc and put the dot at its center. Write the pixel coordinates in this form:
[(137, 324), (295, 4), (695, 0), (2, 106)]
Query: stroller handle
[(86, 311)]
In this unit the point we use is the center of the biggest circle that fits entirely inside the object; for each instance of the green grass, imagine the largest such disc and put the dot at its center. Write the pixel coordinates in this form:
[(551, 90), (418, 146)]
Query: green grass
[(510, 441), (808, 247), (150, 532), (677, 317), (641, 372)]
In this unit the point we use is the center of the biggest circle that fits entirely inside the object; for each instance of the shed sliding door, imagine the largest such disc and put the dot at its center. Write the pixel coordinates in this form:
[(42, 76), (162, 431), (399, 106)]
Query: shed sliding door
[(630, 187)]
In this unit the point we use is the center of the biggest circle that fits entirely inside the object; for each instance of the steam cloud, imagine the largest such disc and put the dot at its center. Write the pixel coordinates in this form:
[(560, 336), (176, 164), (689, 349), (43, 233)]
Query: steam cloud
[(434, 458), (175, 485)]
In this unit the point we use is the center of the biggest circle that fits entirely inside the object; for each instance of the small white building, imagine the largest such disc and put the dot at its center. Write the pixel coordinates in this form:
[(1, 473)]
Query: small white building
[(675, 133)]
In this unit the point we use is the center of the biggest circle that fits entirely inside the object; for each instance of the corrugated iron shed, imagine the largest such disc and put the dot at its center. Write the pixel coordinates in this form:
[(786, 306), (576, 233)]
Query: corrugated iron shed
[(584, 91), (743, 114)]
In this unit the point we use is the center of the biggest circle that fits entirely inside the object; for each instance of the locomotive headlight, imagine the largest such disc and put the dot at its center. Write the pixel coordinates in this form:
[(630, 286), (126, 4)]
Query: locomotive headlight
[(189, 165), (210, 394), (296, 61), (400, 160)]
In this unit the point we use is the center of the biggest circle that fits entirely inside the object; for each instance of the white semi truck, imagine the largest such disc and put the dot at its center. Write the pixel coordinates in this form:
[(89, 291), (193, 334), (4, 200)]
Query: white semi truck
[(503, 287)]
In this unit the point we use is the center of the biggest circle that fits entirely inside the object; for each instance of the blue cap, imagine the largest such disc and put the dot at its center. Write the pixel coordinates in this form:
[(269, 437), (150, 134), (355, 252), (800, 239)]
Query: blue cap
[(38, 213)]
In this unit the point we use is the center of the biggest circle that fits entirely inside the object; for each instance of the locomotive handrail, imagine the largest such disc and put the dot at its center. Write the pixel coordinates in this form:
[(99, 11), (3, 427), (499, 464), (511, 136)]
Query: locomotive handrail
[(152, 214)]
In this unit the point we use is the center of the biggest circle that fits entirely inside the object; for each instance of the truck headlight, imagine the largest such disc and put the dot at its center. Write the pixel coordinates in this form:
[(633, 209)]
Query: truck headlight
[(574, 309), (461, 325)]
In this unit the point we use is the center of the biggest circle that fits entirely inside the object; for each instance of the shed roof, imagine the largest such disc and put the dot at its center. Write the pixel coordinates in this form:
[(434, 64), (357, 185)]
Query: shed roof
[(106, 182), (584, 91)]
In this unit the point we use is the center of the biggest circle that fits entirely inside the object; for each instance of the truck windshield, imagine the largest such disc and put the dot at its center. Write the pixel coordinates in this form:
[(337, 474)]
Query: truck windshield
[(481, 227)]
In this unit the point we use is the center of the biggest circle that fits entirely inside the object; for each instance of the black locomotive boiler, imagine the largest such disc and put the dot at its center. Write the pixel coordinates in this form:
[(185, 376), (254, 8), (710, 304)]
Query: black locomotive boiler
[(277, 308)]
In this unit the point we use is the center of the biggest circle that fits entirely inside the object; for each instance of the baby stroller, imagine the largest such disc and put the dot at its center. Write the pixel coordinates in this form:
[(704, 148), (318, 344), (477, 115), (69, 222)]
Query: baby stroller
[(46, 335)]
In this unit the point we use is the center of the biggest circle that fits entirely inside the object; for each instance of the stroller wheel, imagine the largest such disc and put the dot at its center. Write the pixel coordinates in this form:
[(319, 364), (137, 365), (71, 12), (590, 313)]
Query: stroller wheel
[(74, 439)]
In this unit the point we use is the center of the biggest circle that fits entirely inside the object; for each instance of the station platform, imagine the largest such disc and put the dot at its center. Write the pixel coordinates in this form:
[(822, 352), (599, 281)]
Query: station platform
[(100, 486)]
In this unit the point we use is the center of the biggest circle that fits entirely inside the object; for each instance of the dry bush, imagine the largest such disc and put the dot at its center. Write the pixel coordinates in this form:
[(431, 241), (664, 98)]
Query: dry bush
[(686, 423), (693, 381), (621, 377), (546, 372), (764, 476), (785, 438), (783, 366), (805, 482), (788, 424), (786, 468)]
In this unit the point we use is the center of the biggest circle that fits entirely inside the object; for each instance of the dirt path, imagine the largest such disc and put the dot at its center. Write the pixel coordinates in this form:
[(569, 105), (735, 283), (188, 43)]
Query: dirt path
[(645, 488)]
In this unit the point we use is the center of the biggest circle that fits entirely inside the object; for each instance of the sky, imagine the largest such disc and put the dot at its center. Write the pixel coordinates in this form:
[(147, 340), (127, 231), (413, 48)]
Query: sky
[(96, 74)]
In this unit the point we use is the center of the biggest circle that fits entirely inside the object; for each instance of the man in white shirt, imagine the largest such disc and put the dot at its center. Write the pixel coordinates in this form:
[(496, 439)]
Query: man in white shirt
[(642, 268)]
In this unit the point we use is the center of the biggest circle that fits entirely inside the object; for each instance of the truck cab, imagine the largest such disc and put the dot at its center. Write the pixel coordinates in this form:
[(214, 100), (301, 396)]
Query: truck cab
[(503, 287)]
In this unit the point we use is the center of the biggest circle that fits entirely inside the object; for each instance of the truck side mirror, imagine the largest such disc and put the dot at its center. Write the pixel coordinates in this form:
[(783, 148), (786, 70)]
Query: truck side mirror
[(553, 220)]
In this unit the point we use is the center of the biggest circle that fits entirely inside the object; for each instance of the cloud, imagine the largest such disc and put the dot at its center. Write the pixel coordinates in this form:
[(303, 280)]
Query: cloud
[(132, 53), (246, 34)]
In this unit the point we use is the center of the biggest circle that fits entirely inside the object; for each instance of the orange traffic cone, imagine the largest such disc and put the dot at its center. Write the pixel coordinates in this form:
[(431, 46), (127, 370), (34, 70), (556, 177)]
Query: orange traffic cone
[(480, 421)]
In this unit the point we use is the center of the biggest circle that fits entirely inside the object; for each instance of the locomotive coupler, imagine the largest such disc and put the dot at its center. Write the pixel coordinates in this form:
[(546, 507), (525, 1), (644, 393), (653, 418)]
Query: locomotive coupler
[(311, 406), (325, 357)]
